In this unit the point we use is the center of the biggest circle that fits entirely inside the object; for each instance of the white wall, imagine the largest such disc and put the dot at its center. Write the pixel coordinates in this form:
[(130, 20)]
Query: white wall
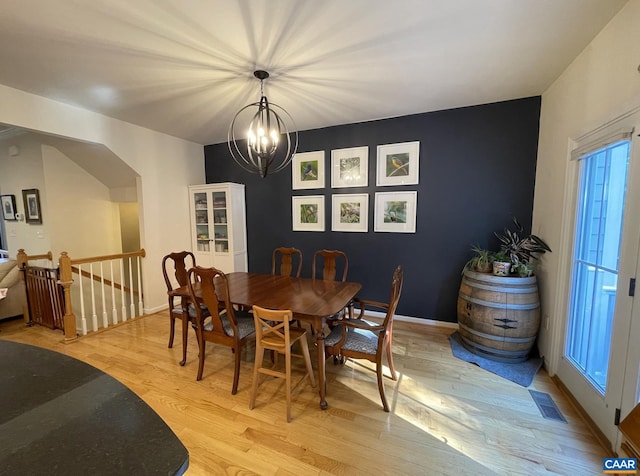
[(601, 84), (82, 219), (17, 173), (166, 166)]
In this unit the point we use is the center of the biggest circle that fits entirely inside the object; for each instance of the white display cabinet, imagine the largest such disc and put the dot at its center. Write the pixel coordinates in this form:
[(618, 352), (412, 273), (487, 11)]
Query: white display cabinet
[(218, 226)]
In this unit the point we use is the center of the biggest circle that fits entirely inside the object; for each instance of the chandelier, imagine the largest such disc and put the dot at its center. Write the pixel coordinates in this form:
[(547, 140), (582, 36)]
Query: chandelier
[(262, 137)]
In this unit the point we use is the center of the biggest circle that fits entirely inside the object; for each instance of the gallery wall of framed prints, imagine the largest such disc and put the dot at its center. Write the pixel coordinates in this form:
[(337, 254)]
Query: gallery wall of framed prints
[(394, 211)]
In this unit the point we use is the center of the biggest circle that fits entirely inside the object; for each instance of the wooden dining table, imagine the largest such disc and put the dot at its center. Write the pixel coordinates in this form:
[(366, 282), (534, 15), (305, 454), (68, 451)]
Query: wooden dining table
[(311, 300)]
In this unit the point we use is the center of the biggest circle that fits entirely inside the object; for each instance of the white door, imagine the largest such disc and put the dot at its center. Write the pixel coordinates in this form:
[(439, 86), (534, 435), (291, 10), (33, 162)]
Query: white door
[(604, 261)]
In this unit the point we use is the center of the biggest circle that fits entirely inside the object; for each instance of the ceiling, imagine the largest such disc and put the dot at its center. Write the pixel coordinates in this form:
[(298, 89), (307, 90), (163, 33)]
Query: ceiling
[(184, 67)]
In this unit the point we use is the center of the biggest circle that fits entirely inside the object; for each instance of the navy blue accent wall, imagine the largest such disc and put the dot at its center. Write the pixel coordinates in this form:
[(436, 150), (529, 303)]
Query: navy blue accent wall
[(477, 171)]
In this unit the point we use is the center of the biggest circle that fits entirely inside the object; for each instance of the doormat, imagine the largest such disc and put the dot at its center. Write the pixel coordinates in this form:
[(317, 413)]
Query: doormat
[(521, 373), (547, 406)]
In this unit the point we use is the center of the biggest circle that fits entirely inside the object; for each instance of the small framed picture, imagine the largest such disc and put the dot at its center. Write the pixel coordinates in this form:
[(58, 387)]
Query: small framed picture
[(350, 212), (8, 207), (307, 170), (308, 213), (32, 212), (350, 167), (396, 212), (398, 164)]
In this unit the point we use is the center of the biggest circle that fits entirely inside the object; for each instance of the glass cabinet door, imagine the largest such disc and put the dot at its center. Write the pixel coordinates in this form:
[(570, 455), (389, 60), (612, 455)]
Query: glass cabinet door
[(201, 209), (220, 222)]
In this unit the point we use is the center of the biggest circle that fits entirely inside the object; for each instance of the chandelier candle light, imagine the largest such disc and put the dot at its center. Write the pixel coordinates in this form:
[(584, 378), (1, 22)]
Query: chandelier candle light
[(262, 125)]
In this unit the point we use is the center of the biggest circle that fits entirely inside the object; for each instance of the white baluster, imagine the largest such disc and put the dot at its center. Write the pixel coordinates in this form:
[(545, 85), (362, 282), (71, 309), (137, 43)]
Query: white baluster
[(140, 306), (114, 311), (132, 305), (105, 316), (94, 315), (122, 296), (83, 316)]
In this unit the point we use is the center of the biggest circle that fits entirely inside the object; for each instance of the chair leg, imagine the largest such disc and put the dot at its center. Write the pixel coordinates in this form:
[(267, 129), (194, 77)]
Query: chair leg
[(307, 359), (236, 371), (201, 358), (185, 334), (256, 375), (287, 358), (390, 361), (172, 330), (385, 405)]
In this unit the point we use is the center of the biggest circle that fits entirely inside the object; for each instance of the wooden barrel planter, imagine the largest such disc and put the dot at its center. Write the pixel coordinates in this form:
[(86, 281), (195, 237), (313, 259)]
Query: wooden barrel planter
[(498, 317)]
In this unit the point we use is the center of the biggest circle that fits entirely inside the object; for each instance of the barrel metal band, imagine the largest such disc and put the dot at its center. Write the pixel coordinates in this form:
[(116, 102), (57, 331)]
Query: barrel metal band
[(500, 305), (515, 340), (485, 287)]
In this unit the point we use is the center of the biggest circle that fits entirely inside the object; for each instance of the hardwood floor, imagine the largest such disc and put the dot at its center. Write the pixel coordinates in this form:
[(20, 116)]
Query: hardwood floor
[(447, 416)]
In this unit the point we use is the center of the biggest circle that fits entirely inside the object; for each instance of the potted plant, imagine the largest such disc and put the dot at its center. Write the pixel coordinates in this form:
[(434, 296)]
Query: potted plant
[(520, 250), (501, 264), (481, 262)]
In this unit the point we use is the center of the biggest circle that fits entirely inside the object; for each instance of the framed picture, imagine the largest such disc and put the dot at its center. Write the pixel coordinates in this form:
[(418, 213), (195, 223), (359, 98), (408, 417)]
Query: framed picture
[(307, 170), (350, 167), (396, 212), (8, 207), (398, 164), (308, 213), (32, 212), (350, 212)]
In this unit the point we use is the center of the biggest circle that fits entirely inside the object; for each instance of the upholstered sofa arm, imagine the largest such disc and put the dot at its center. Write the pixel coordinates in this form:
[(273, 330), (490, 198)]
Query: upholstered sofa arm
[(15, 303)]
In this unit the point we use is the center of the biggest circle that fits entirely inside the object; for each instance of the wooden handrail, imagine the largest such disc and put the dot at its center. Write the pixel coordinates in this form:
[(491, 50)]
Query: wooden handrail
[(108, 282), (23, 257), (141, 253)]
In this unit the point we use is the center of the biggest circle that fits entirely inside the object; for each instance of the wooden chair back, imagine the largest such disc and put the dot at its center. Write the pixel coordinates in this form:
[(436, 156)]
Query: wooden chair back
[(286, 258), (216, 321), (274, 332), (181, 262), (331, 261)]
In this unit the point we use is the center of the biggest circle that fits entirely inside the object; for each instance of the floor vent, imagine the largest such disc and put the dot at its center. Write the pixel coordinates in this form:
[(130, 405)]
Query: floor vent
[(547, 406)]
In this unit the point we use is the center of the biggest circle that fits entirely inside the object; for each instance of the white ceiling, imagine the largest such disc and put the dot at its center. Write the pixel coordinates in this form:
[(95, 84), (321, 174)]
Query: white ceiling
[(184, 67)]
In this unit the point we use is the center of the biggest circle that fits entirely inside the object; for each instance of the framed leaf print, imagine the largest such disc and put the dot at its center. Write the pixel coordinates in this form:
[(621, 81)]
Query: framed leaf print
[(350, 167)]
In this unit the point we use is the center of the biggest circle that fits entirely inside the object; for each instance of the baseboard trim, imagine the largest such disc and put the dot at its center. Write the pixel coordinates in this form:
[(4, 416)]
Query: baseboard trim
[(602, 439), (415, 320), (153, 310)]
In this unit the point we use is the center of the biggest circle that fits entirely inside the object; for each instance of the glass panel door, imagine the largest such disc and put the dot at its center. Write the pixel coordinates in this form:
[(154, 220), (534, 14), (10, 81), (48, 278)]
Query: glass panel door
[(596, 260), (220, 222), (201, 209)]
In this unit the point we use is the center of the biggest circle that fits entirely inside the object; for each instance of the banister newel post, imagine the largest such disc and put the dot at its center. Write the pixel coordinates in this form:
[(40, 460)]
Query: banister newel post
[(66, 280), (23, 259)]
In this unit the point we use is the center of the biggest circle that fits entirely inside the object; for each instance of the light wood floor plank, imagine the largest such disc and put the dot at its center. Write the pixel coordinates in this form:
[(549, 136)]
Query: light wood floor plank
[(447, 417)]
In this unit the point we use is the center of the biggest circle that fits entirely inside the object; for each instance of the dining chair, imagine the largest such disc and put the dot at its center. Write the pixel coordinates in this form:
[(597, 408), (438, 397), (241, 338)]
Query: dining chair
[(181, 262), (328, 261), (274, 332), (358, 338), (228, 327), (285, 258)]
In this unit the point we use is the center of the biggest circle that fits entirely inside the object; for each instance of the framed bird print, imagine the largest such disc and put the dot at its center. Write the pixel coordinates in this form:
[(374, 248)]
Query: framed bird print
[(398, 164), (308, 213), (307, 170), (350, 167), (396, 212), (349, 212)]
